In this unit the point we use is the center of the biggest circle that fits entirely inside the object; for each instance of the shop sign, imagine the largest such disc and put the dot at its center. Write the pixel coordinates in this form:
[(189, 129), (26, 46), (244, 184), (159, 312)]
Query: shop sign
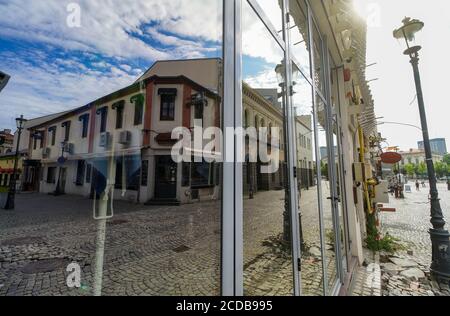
[(391, 157)]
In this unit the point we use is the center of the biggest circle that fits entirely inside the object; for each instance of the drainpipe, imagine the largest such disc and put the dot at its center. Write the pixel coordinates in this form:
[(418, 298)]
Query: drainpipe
[(362, 153)]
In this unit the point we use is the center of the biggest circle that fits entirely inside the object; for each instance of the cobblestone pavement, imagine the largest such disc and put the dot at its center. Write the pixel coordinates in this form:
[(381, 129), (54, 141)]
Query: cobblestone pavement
[(152, 250), (367, 279), (407, 272)]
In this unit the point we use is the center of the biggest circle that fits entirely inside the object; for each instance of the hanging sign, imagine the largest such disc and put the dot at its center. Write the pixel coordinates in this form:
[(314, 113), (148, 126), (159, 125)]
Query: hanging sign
[(391, 157)]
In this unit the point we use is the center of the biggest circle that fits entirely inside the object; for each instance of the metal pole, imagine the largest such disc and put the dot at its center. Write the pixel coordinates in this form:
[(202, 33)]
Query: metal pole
[(10, 202), (440, 237), (100, 243)]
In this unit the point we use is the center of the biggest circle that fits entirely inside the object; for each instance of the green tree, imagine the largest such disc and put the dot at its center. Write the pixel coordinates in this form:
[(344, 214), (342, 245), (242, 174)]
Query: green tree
[(410, 170), (447, 159), (421, 169), (441, 169)]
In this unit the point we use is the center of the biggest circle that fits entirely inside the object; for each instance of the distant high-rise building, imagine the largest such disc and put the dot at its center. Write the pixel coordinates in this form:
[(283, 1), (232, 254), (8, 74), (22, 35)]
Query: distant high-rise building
[(438, 146)]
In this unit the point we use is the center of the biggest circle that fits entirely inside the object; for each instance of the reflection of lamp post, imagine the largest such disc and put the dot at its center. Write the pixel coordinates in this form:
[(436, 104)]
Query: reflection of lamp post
[(13, 181), (61, 160), (285, 92), (440, 237), (280, 71)]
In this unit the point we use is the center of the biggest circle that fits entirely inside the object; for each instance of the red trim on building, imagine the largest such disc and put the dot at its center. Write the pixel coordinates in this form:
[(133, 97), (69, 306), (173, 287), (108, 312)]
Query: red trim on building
[(92, 119), (148, 113), (187, 94)]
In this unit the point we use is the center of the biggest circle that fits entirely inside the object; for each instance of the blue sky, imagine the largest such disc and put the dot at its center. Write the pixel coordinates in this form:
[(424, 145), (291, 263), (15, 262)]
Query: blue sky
[(55, 67)]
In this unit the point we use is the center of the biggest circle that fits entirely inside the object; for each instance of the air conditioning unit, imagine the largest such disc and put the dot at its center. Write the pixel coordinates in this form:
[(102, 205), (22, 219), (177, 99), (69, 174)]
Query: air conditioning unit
[(105, 139), (125, 138), (46, 153), (69, 148)]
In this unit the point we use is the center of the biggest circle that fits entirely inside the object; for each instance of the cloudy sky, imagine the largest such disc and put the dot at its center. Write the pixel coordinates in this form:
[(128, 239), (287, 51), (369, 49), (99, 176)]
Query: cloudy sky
[(56, 66), (394, 92)]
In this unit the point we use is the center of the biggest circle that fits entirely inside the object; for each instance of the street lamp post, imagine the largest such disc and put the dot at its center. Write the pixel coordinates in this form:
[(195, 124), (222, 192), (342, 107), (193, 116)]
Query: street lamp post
[(440, 237), (10, 205)]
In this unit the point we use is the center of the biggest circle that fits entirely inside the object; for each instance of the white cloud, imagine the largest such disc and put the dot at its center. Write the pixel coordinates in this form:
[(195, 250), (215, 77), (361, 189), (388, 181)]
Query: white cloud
[(111, 28), (51, 87)]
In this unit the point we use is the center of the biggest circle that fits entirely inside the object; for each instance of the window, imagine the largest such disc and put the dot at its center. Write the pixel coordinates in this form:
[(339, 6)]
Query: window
[(1, 178), (119, 106), (5, 180), (138, 100), (103, 112), (202, 174), (51, 175), (168, 97), (88, 173), (80, 172), (128, 171), (66, 126), (84, 119), (53, 131)]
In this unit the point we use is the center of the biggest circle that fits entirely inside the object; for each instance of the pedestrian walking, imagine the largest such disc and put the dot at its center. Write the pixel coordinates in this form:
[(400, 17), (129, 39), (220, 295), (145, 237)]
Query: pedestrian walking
[(417, 185), (423, 184)]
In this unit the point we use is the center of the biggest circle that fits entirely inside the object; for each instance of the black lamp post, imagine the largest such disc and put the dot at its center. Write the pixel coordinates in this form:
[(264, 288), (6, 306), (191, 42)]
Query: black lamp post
[(10, 205), (440, 237)]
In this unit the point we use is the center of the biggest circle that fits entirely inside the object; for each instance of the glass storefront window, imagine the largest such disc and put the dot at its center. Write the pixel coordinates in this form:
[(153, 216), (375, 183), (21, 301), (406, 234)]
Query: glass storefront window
[(299, 32), (318, 71), (309, 189), (272, 9), (268, 262), (329, 233), (110, 212)]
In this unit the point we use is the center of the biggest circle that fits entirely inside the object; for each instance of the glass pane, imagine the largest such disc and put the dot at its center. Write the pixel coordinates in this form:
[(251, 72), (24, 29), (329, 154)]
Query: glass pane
[(326, 177), (318, 73), (309, 190), (340, 184), (267, 224), (110, 211), (299, 35), (273, 10)]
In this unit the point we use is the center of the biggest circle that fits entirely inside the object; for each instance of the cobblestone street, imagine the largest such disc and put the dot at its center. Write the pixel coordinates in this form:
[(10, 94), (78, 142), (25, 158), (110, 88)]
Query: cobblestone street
[(407, 272), (151, 250)]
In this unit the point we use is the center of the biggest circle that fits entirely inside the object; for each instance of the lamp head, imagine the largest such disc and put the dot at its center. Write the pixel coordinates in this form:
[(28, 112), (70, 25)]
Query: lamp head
[(20, 121), (409, 29)]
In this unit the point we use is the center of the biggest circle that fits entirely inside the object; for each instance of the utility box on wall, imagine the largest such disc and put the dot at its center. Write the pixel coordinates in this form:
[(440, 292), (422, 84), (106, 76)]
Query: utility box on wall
[(382, 192)]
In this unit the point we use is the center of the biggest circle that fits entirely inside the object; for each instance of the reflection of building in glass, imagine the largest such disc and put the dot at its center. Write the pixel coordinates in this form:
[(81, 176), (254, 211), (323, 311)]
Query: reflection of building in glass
[(305, 160), (134, 125), (246, 235), (261, 109), (438, 146), (6, 141)]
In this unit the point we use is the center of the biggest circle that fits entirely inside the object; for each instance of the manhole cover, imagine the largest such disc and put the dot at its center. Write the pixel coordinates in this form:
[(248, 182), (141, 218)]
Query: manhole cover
[(44, 266), (181, 249), (117, 222), (22, 241)]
